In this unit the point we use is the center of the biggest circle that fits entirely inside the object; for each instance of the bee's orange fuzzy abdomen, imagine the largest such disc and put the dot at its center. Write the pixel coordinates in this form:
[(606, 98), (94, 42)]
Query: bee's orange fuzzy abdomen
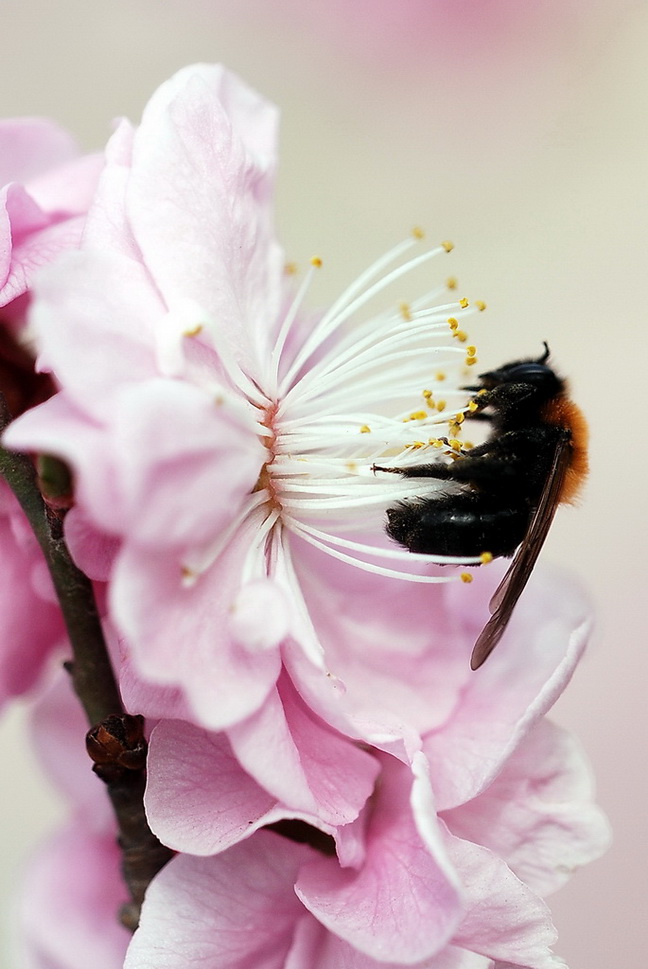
[(562, 412)]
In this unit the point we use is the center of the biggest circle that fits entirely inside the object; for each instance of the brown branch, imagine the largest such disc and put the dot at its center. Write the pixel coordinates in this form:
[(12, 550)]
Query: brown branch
[(94, 683)]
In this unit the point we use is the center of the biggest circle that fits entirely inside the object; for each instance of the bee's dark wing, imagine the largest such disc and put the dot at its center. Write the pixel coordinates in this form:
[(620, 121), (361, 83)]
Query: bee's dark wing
[(512, 585)]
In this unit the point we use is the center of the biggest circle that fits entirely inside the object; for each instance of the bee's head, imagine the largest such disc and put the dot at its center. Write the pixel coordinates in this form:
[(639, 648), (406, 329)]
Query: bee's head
[(536, 373)]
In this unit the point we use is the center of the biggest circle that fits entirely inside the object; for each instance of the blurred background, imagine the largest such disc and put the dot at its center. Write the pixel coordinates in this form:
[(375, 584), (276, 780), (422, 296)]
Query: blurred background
[(515, 128)]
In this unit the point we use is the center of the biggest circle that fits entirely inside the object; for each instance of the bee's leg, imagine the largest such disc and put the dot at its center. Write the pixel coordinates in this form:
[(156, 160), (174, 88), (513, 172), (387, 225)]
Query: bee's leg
[(478, 415), (503, 394)]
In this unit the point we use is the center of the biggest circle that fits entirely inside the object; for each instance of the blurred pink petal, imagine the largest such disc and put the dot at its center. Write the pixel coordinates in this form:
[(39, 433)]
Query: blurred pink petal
[(58, 729), (42, 210), (72, 890), (32, 147), (46, 193), (31, 627)]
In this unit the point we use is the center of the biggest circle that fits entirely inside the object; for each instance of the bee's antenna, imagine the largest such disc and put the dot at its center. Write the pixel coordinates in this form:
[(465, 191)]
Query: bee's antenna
[(545, 355)]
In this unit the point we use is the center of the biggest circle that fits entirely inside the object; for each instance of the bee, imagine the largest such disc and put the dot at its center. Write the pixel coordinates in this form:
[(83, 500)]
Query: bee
[(508, 488)]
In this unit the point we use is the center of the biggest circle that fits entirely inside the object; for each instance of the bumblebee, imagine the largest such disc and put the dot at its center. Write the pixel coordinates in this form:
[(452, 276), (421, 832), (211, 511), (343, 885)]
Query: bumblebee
[(508, 488)]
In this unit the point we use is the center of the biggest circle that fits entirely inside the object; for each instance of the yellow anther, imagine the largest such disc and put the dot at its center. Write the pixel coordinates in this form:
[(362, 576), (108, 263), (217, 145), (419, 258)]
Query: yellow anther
[(440, 405), (418, 232), (427, 394), (194, 331), (466, 577), (472, 406), (480, 304), (486, 557), (455, 444), (460, 335), (291, 269), (460, 418), (435, 442), (468, 445), (448, 246), (453, 323), (471, 351), (316, 262), (439, 375), (416, 445), (365, 429), (470, 361), (480, 393), (405, 311), (416, 415), (451, 282), (463, 303)]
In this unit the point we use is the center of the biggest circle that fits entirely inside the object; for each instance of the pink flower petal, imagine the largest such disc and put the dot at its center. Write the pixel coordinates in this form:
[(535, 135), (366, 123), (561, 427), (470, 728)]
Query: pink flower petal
[(386, 644), (199, 204), (402, 905), (94, 316), (92, 551), (58, 728), (233, 911), (179, 450), (206, 817), (107, 227), (316, 948), (36, 250), (31, 146), (538, 814), (180, 636), (31, 627), (68, 188), (72, 894), (305, 764), (58, 427), (504, 920), (503, 699)]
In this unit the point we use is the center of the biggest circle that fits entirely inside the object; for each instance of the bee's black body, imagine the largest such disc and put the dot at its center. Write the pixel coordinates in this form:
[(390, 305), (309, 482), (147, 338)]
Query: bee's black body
[(505, 491)]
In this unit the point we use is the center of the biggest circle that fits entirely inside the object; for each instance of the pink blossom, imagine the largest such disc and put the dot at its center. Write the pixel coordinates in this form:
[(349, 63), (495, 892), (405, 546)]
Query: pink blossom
[(46, 191), (31, 627), (490, 808), (216, 434), (409, 886), (47, 188), (71, 893), (72, 888)]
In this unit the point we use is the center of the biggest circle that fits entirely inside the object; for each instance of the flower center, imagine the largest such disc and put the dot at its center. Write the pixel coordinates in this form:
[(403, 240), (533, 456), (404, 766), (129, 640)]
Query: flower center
[(266, 481)]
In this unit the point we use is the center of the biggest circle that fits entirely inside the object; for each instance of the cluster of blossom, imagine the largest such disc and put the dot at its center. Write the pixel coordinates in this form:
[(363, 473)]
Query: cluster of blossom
[(299, 674)]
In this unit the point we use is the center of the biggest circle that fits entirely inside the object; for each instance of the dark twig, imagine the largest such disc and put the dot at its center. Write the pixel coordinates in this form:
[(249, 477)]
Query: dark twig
[(95, 684)]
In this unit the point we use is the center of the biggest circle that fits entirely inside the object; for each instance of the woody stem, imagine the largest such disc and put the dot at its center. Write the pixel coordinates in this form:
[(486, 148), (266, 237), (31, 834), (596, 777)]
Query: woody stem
[(92, 675)]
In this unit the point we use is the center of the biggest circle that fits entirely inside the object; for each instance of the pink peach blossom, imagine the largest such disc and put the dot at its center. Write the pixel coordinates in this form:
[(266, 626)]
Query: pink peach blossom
[(485, 811), (47, 188), (217, 434), (71, 893), (31, 627), (409, 886)]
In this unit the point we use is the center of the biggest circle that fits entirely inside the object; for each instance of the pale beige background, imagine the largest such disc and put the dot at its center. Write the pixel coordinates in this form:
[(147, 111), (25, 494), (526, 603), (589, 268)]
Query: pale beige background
[(532, 156)]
